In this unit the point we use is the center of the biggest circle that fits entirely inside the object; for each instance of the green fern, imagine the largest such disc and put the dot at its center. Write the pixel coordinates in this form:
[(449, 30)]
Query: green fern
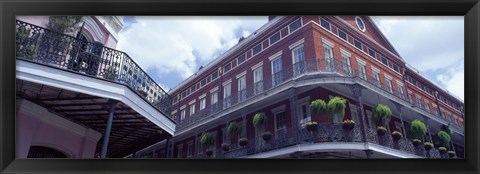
[(317, 105), (381, 114), (336, 106)]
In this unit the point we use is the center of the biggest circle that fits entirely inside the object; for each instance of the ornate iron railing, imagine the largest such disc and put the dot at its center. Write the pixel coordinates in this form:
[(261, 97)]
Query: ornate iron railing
[(50, 48)]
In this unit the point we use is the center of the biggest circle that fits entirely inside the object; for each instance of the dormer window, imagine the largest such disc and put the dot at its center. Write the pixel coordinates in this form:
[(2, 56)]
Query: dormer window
[(360, 24)]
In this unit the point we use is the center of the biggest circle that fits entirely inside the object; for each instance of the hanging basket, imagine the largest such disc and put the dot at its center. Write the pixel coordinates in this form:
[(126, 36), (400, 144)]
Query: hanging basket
[(208, 152), (428, 146), (267, 136), (312, 126), (348, 124), (397, 135), (451, 154), (416, 142), (381, 130), (225, 147), (243, 142), (442, 150)]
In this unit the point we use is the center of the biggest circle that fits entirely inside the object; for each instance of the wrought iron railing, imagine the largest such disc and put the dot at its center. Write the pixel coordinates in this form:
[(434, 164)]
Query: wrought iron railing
[(50, 48)]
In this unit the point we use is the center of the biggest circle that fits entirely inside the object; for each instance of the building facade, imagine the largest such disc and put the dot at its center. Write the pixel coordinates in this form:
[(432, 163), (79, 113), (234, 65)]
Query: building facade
[(290, 62), (78, 97)]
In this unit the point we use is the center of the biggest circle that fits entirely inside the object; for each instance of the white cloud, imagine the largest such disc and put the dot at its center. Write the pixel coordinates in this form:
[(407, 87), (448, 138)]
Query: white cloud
[(454, 79), (177, 44)]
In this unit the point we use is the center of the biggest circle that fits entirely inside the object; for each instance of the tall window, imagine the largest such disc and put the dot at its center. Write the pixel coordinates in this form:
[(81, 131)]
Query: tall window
[(346, 65), (328, 53), (183, 112), (389, 85), (203, 101), (304, 113), (280, 121), (426, 105), (258, 80), (419, 102), (189, 150), (277, 71), (400, 91), (214, 100), (362, 72), (192, 109), (376, 78), (227, 92), (242, 92), (298, 60), (410, 97)]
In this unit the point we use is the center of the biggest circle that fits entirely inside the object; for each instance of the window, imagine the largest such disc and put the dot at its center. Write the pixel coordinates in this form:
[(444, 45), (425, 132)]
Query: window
[(227, 67), (295, 25), (193, 88), (241, 59), (389, 85), (258, 80), (192, 109), (280, 121), (189, 150), (179, 151), (426, 106), (298, 60), (184, 94), (325, 24), (214, 75), (277, 71), (362, 72), (214, 100), (304, 113), (203, 101), (400, 91), (357, 44), (342, 35), (227, 92), (274, 38), (257, 49), (328, 53), (410, 97), (242, 92), (384, 61), (396, 68), (442, 113), (182, 114), (435, 109), (175, 99), (376, 77), (346, 65), (371, 53), (203, 82), (419, 102), (371, 123), (360, 23)]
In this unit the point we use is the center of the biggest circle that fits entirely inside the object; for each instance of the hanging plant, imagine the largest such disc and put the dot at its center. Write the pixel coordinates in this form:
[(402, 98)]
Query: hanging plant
[(442, 150), (348, 124), (381, 130), (397, 135), (446, 129), (416, 142), (317, 106), (259, 120), (428, 146), (336, 107), (381, 114), (207, 139), (243, 142), (234, 129), (312, 126), (417, 129), (451, 154), (225, 147), (267, 136), (444, 138)]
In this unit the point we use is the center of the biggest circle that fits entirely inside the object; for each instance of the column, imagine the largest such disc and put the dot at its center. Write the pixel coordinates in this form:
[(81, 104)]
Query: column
[(399, 108), (167, 148), (369, 153), (293, 114), (244, 124), (428, 129), (357, 93), (197, 145), (106, 136)]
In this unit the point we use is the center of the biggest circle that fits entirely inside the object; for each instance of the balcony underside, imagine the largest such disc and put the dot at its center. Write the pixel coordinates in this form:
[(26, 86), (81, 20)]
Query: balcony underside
[(85, 101)]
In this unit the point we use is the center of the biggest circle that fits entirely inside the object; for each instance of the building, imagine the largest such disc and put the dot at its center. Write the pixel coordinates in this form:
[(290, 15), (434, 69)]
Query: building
[(78, 97), (290, 62)]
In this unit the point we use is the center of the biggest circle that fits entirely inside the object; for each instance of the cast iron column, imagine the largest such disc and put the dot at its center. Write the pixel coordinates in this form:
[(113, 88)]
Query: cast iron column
[(293, 115), (399, 108), (167, 148), (357, 93), (106, 136), (369, 153)]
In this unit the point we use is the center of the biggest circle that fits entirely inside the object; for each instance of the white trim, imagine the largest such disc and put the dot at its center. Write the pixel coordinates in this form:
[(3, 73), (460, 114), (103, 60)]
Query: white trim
[(297, 43), (83, 84), (276, 55), (375, 69), (304, 99), (259, 64), (174, 112), (360, 61), (183, 107), (345, 53), (358, 26), (227, 82), (301, 25), (261, 48), (387, 76), (278, 109), (202, 96), (327, 43), (214, 89), (400, 83), (241, 74)]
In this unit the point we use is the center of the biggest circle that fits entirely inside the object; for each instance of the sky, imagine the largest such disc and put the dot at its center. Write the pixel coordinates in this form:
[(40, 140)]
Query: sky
[(172, 48)]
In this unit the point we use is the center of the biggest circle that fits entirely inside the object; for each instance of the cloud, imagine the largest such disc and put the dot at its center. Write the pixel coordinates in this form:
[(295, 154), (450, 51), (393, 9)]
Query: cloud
[(454, 79), (179, 45)]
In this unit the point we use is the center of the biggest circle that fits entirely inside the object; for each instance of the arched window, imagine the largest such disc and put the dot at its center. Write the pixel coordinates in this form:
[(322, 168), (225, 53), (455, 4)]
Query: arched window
[(44, 152)]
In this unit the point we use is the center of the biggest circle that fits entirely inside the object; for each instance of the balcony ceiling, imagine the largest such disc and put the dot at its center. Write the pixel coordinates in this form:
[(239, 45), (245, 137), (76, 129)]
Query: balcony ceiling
[(130, 130)]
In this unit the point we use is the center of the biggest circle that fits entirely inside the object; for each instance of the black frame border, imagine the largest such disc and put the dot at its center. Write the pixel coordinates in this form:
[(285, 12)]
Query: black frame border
[(9, 8)]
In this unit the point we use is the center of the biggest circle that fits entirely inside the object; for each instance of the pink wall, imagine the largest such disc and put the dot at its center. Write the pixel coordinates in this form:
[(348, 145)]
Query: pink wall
[(34, 130)]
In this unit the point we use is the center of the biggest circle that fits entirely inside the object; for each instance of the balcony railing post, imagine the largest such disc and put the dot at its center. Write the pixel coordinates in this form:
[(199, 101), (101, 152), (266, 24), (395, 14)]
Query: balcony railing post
[(399, 108), (293, 115), (428, 128), (357, 92)]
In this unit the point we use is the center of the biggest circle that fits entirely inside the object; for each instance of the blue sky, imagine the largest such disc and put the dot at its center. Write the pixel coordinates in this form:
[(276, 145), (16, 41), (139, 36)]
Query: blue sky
[(173, 48)]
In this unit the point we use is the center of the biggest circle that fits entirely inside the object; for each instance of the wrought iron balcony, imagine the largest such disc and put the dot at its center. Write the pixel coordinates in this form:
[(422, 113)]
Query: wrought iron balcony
[(317, 66), (324, 134), (53, 49)]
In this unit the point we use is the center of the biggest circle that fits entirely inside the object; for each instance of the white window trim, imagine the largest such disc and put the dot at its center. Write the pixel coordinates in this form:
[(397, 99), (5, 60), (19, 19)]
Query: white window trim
[(320, 24), (327, 43), (174, 112), (279, 108), (301, 25), (296, 48), (227, 82), (259, 64), (275, 119), (400, 83), (275, 56), (364, 26), (387, 76), (214, 89), (261, 48), (360, 61), (270, 43), (345, 53), (191, 102), (241, 74), (202, 96), (183, 107), (297, 43)]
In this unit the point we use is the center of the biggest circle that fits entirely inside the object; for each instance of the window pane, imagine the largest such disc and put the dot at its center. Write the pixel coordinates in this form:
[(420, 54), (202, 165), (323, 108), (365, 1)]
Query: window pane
[(257, 49), (325, 24), (358, 44), (342, 35), (295, 25), (274, 38)]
